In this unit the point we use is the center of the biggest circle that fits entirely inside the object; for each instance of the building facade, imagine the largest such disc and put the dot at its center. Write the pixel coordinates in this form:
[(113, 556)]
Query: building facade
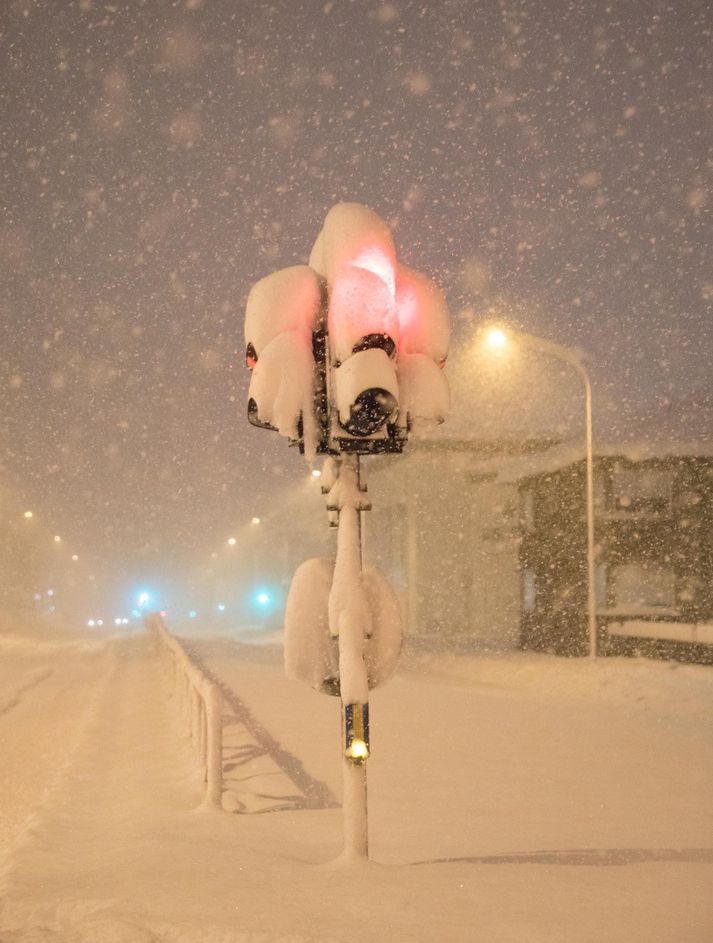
[(654, 557), (444, 528)]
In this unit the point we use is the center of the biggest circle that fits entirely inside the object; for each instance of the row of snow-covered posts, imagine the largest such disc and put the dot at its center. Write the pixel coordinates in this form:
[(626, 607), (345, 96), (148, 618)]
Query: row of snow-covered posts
[(201, 703)]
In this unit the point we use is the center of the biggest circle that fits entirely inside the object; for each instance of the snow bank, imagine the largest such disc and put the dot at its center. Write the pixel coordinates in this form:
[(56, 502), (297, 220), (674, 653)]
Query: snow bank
[(520, 798)]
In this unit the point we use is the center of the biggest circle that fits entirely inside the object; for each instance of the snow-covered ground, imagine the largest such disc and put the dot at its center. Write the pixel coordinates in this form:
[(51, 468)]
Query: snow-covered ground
[(513, 798)]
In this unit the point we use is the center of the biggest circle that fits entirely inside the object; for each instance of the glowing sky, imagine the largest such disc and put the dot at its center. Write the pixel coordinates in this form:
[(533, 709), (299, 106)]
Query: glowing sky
[(546, 162)]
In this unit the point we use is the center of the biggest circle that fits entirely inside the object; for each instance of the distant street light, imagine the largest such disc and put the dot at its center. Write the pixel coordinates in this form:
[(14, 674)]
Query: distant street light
[(497, 338), (28, 514), (232, 541), (255, 520)]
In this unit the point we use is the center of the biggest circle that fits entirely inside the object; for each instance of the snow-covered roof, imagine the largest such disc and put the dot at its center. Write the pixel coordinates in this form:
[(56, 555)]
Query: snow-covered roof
[(526, 466)]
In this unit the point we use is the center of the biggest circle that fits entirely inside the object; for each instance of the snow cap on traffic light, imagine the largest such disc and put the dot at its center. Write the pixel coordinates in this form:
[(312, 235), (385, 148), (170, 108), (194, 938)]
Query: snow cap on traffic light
[(281, 315), (383, 326), (354, 235), (424, 334), (377, 305)]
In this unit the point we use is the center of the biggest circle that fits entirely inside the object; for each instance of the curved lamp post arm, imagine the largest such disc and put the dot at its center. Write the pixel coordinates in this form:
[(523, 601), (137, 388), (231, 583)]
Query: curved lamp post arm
[(576, 360)]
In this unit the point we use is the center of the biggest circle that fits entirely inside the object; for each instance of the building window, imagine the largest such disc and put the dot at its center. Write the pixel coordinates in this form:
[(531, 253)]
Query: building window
[(529, 592), (641, 490), (643, 588), (527, 510), (600, 586)]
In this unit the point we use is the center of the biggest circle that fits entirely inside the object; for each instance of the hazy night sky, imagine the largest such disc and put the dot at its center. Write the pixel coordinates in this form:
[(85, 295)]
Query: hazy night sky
[(549, 161)]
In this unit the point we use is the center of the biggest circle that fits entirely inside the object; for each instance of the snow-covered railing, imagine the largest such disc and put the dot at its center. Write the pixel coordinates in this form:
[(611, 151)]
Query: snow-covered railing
[(201, 703)]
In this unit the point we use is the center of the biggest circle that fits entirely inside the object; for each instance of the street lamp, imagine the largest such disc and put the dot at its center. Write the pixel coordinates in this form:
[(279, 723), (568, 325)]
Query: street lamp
[(497, 339)]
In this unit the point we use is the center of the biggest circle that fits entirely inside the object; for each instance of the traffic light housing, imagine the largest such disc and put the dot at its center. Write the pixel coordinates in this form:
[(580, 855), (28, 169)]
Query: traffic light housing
[(282, 316), (346, 352)]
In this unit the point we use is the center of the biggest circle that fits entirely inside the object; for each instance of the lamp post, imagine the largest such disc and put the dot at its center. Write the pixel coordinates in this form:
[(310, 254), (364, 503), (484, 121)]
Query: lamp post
[(497, 338)]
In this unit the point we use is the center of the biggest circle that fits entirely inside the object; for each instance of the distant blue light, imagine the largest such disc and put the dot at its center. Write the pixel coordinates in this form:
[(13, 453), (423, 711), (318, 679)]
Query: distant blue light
[(135, 613), (221, 607), (143, 599), (262, 599), (192, 614)]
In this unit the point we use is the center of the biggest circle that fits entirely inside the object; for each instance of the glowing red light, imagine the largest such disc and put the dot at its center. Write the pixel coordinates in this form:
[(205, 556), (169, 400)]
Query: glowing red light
[(374, 260)]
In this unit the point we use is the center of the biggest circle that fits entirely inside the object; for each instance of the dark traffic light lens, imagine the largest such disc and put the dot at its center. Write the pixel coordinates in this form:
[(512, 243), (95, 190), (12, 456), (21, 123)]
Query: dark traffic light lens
[(371, 409), (254, 418), (376, 341)]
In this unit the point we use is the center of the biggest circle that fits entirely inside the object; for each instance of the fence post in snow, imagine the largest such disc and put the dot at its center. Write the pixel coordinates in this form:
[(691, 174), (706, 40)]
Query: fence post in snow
[(214, 745), (200, 702)]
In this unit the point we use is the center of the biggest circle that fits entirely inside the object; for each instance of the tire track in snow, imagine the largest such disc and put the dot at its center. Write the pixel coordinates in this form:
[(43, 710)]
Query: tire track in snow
[(15, 699)]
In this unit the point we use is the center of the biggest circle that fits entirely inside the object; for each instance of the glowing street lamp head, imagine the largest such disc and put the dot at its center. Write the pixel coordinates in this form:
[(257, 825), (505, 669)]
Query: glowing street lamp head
[(232, 541), (143, 599), (28, 514), (255, 520), (496, 338), (57, 539)]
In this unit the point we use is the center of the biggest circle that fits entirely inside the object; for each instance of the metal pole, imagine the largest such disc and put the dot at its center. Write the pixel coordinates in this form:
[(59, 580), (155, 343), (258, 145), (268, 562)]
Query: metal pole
[(591, 589), (350, 616), (574, 359), (214, 745)]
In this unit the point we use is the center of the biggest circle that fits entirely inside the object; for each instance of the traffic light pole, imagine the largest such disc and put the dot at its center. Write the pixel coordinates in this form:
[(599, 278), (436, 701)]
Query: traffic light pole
[(350, 618)]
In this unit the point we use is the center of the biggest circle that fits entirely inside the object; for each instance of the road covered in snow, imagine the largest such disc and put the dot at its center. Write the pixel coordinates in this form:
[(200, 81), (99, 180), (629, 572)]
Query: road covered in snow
[(511, 798)]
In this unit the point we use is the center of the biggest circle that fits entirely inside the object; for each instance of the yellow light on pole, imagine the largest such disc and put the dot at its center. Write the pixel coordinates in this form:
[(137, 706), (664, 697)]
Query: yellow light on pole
[(357, 750), (255, 520), (232, 541), (356, 732), (57, 539), (28, 514)]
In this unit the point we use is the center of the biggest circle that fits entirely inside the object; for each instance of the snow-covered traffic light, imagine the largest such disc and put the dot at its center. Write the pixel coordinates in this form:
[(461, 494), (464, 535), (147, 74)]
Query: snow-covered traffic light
[(346, 356), (282, 316), (355, 255), (424, 334), (346, 352), (387, 331), (363, 334)]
